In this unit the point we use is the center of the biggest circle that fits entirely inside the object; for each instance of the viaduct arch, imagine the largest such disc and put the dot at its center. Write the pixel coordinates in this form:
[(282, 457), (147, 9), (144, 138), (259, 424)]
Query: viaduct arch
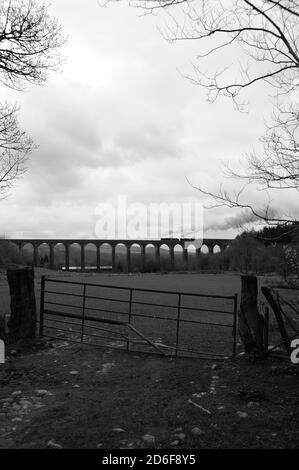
[(156, 245)]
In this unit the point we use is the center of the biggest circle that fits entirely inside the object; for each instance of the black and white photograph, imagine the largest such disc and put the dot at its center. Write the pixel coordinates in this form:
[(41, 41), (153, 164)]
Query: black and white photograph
[(149, 229)]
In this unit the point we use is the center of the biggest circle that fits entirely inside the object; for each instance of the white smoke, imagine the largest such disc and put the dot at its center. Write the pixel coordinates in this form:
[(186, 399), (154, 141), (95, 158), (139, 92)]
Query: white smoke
[(237, 221)]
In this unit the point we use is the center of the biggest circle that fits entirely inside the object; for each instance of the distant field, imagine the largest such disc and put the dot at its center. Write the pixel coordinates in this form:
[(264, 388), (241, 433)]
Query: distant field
[(221, 284)]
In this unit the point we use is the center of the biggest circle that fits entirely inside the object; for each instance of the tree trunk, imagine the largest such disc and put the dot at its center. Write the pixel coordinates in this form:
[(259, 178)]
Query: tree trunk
[(22, 323), (251, 323)]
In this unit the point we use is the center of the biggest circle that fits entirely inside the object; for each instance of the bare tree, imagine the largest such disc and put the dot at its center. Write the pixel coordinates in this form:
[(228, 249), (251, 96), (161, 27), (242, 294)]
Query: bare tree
[(30, 41), (15, 147), (278, 166), (275, 168), (260, 38), (263, 32)]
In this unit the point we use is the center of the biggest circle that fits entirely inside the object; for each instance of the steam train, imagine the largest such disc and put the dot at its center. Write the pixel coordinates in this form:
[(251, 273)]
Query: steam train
[(177, 239)]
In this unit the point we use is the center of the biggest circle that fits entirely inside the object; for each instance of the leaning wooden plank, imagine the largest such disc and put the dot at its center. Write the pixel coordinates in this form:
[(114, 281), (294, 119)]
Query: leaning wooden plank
[(146, 339), (284, 335)]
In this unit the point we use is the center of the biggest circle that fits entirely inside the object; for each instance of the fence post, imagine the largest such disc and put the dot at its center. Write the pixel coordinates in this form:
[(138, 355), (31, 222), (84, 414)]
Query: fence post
[(42, 306), (235, 324), (130, 315), (23, 319), (251, 322), (83, 312), (178, 325), (266, 330)]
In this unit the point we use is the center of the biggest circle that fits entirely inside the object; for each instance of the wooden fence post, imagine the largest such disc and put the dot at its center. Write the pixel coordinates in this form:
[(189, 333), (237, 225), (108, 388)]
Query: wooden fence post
[(22, 322), (2, 327), (266, 330), (251, 323), (42, 306)]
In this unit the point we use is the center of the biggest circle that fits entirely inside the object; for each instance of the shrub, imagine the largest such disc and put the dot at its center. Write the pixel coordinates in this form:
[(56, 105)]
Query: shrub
[(9, 254)]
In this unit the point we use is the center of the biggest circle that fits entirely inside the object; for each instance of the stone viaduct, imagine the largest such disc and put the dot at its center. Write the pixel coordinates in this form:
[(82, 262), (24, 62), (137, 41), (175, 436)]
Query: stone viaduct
[(169, 243)]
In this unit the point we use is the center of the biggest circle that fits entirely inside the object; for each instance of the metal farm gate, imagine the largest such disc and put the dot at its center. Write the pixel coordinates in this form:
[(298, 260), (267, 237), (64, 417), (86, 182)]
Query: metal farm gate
[(140, 320)]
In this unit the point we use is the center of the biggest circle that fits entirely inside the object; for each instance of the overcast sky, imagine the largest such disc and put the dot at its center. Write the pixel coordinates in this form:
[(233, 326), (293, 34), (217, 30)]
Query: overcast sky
[(120, 119)]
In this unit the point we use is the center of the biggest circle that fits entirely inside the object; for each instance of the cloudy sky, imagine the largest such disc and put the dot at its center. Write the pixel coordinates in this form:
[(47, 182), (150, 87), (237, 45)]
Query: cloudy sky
[(120, 119)]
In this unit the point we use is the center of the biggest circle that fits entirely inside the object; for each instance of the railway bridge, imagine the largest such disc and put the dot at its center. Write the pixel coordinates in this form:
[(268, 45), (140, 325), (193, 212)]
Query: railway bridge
[(169, 244)]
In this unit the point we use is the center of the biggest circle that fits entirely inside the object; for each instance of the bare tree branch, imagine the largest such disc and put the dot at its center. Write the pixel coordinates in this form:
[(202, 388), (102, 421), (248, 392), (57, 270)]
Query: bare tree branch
[(29, 43), (15, 147), (265, 30), (29, 48)]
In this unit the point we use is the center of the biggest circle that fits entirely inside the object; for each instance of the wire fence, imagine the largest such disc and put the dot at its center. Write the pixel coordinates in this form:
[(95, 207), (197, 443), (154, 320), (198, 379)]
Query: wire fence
[(287, 302)]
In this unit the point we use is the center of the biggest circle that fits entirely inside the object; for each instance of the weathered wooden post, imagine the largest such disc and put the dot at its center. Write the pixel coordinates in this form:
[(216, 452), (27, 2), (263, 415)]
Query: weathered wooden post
[(251, 322), (2, 327), (266, 330), (22, 323)]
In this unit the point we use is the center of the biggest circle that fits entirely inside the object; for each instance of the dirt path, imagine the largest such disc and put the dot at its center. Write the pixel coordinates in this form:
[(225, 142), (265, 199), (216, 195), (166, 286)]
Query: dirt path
[(78, 397)]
